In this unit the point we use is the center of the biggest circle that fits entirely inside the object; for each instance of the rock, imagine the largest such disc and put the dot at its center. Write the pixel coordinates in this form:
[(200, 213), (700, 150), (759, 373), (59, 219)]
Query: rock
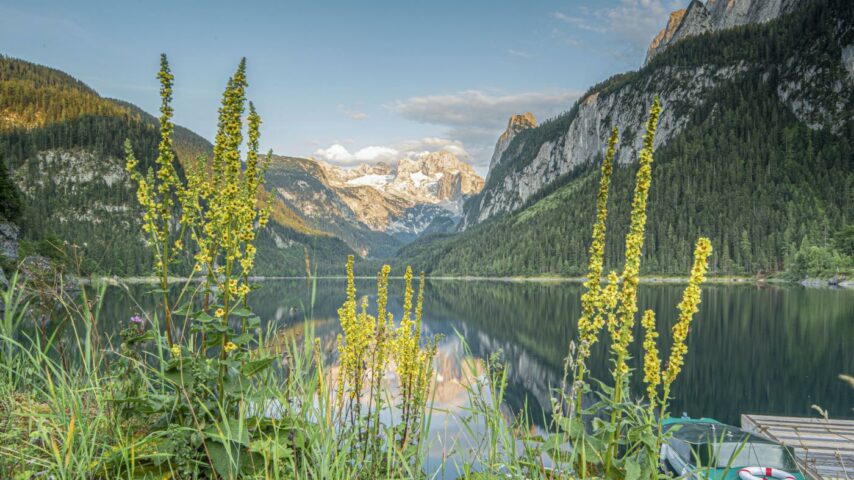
[(669, 35), (4, 285), (516, 124), (9, 233)]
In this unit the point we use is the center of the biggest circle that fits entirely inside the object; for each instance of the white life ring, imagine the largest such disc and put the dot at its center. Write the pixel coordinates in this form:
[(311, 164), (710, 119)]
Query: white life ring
[(756, 473)]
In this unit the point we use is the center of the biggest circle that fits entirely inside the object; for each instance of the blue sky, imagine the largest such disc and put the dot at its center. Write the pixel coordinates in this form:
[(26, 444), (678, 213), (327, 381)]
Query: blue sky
[(346, 81)]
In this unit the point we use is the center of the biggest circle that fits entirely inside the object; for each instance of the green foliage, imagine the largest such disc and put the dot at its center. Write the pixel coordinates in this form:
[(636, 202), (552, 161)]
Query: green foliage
[(10, 198), (34, 96), (844, 240), (817, 261)]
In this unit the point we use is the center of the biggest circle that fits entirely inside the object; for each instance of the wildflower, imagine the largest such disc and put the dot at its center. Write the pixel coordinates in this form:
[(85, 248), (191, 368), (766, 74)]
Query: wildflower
[(219, 313), (591, 321), (137, 320), (651, 362), (230, 347), (687, 309), (175, 350)]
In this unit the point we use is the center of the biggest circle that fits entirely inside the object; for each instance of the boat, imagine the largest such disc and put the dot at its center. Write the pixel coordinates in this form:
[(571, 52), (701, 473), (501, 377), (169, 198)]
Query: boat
[(708, 449)]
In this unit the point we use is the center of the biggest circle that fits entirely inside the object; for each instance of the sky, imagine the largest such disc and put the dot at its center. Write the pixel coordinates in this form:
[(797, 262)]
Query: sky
[(347, 82)]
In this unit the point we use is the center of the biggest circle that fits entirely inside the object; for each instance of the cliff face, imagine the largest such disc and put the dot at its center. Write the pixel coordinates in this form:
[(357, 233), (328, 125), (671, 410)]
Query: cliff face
[(813, 79)]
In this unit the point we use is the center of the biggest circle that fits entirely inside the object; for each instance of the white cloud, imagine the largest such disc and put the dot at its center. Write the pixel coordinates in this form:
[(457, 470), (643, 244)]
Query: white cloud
[(476, 108), (339, 154), (413, 148), (473, 119)]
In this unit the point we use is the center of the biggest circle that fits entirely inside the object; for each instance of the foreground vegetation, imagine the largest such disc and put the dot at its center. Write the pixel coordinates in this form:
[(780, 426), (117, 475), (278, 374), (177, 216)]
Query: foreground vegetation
[(198, 389)]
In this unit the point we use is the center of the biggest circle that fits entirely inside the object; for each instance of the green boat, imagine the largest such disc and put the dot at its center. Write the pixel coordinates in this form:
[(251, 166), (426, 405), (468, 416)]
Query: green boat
[(708, 449)]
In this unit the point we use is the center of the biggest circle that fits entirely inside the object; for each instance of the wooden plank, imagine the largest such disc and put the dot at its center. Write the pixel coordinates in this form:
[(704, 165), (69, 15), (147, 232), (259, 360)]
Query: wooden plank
[(766, 419), (811, 433), (823, 448), (839, 444), (811, 427)]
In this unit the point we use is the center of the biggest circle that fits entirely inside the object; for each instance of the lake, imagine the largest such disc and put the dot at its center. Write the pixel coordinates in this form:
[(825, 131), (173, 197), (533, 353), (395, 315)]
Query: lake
[(752, 349)]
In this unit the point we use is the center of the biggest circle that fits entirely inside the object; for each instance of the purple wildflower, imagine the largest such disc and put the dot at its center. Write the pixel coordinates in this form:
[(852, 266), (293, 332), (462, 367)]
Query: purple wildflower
[(136, 319)]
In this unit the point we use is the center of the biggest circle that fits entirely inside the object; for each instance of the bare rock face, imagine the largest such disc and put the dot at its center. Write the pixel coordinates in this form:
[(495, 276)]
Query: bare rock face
[(516, 124), (9, 233), (716, 15), (732, 13)]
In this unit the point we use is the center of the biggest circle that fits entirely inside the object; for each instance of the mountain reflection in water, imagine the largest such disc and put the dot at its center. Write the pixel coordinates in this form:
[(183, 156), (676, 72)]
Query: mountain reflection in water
[(769, 350)]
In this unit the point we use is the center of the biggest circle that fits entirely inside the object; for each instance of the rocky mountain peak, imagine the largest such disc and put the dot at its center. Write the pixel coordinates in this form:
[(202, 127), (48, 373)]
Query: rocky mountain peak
[(516, 124), (715, 15), (682, 23), (667, 33)]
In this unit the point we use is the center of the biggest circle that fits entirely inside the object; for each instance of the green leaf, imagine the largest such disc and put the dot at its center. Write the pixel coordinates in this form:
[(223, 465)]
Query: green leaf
[(221, 460), (232, 431), (251, 368), (633, 469), (241, 312)]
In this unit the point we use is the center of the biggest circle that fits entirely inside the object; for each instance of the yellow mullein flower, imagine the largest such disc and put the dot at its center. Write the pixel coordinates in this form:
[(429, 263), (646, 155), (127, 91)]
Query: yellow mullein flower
[(687, 309), (651, 362), (175, 350), (230, 347), (634, 240), (591, 316), (219, 313)]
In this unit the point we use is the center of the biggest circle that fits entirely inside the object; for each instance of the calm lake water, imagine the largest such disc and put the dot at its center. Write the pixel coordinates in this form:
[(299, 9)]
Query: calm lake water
[(768, 350)]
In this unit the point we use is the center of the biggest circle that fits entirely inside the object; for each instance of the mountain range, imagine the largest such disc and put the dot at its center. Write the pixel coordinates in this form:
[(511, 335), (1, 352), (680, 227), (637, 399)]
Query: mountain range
[(377, 208), (754, 149)]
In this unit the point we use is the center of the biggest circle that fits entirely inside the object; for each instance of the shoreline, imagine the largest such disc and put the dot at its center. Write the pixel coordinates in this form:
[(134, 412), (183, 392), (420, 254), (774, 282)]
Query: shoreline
[(650, 280)]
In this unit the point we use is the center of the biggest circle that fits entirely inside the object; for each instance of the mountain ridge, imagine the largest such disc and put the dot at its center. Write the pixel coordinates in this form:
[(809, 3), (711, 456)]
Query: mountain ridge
[(796, 64)]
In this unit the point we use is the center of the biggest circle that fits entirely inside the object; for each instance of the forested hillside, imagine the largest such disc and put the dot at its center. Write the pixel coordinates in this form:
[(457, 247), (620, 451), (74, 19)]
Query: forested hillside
[(745, 169), (769, 178), (62, 153)]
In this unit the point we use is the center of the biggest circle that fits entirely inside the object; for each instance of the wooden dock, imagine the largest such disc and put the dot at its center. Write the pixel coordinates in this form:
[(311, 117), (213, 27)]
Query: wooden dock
[(824, 448)]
